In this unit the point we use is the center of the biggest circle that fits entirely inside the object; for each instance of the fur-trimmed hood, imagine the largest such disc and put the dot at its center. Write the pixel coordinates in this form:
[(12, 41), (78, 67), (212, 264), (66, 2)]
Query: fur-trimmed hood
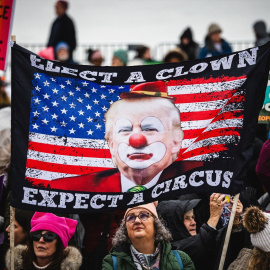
[(73, 260)]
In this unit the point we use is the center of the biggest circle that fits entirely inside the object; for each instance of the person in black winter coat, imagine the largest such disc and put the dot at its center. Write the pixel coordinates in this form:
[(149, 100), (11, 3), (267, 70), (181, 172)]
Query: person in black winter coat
[(63, 29), (201, 244), (260, 32), (188, 45)]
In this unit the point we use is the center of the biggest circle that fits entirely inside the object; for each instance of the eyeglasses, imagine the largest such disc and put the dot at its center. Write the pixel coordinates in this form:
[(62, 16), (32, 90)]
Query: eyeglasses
[(48, 237), (142, 216)]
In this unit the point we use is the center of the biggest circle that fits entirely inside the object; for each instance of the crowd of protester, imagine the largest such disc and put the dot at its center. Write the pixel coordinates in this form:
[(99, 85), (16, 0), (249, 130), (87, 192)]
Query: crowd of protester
[(187, 232)]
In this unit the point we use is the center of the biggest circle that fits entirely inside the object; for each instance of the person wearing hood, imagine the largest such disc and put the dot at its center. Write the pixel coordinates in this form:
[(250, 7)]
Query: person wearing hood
[(188, 45), (260, 32), (214, 44), (201, 244)]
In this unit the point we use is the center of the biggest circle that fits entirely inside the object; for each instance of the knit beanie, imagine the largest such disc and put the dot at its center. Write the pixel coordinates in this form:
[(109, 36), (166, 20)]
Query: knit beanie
[(122, 55), (257, 224), (61, 45), (214, 28), (63, 227), (187, 34), (151, 207)]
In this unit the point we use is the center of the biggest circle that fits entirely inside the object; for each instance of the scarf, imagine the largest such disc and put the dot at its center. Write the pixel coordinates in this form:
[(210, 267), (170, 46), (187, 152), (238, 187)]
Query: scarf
[(146, 261)]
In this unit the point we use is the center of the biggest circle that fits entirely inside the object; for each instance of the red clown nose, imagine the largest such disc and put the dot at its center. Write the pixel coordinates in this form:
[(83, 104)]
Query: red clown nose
[(137, 140)]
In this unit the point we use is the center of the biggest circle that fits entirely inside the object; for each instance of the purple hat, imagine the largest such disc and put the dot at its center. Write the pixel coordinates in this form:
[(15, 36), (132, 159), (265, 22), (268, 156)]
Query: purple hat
[(63, 227), (263, 165)]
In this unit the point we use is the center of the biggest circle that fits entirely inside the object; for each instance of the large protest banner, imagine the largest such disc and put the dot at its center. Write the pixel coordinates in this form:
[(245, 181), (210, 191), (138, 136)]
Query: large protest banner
[(6, 12), (88, 138)]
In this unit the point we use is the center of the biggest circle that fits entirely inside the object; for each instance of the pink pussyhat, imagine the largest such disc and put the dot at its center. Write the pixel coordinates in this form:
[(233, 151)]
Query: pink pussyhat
[(63, 227)]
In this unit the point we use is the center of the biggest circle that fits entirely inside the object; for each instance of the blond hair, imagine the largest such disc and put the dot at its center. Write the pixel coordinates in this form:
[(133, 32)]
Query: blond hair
[(260, 260)]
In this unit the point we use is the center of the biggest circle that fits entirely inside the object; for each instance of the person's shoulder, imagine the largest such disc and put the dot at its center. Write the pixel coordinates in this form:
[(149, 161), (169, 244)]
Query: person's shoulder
[(73, 260), (107, 262), (187, 262), (18, 257)]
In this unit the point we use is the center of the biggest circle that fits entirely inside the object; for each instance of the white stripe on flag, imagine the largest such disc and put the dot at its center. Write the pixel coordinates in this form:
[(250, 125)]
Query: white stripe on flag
[(187, 142), (205, 87), (201, 106), (66, 141), (189, 125), (225, 124), (213, 141), (70, 160), (46, 175)]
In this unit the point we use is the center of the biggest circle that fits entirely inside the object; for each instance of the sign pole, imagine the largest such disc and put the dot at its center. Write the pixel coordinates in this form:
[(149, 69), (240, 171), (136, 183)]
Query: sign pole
[(228, 233), (12, 218)]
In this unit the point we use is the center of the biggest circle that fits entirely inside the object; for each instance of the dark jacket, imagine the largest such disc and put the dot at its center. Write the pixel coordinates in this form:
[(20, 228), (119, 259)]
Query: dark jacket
[(167, 261), (209, 50), (261, 33), (202, 248), (63, 30), (192, 48)]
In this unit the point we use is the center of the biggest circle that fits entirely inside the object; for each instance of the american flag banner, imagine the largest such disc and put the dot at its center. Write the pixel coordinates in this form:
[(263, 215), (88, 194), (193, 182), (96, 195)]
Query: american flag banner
[(88, 138)]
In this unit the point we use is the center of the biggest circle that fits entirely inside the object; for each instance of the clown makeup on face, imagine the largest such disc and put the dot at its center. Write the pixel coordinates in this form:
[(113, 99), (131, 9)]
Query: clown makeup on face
[(134, 150), (144, 136)]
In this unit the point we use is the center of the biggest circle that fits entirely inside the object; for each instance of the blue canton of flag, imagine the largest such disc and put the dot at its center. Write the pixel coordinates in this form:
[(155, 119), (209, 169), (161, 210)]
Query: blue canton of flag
[(70, 107)]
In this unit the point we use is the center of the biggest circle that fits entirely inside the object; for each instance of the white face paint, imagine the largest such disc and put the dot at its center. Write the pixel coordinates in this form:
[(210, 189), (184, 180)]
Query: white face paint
[(142, 157)]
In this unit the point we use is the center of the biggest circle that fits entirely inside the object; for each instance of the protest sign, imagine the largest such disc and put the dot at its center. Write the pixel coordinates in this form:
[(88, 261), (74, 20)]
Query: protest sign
[(88, 138)]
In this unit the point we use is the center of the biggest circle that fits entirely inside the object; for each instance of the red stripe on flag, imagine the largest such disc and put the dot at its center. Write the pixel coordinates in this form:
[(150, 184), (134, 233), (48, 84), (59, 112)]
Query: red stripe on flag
[(218, 132), (203, 80), (193, 133), (193, 116), (62, 168), (203, 97), (203, 150), (228, 115), (38, 182), (69, 151), (236, 99)]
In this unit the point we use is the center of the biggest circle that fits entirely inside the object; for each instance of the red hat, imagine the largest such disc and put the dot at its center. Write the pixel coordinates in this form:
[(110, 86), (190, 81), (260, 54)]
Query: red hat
[(152, 89)]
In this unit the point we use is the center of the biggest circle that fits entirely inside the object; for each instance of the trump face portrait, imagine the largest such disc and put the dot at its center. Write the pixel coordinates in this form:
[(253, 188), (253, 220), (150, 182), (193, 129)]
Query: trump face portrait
[(144, 135), (143, 132)]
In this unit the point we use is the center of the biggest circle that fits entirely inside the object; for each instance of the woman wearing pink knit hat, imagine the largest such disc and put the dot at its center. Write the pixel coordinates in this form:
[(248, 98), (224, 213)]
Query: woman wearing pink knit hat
[(48, 247)]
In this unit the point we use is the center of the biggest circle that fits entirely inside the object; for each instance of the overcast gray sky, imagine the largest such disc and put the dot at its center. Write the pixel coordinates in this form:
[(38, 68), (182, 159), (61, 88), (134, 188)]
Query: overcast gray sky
[(141, 21)]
